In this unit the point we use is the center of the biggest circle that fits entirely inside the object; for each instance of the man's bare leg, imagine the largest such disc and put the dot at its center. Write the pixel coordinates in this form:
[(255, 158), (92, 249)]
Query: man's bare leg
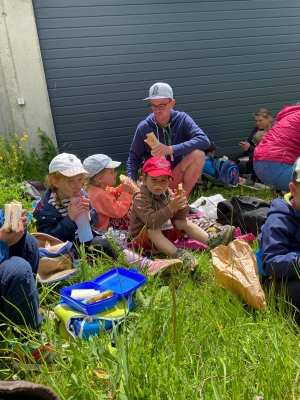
[(188, 171)]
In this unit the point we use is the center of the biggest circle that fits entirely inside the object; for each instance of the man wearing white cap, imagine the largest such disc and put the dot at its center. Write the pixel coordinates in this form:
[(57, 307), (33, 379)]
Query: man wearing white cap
[(181, 140)]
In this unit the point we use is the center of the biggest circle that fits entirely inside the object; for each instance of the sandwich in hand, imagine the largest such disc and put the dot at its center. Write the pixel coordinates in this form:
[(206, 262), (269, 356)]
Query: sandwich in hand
[(151, 139), (180, 188), (13, 213), (131, 183)]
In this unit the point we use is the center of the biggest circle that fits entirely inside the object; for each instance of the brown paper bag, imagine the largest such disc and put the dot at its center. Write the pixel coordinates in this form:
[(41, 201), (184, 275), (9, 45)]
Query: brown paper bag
[(236, 270), (54, 269)]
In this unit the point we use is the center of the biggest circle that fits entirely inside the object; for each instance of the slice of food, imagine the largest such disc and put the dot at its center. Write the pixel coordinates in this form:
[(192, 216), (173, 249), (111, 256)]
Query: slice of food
[(102, 296), (133, 185), (7, 214), (180, 188), (151, 139), (123, 178), (13, 213)]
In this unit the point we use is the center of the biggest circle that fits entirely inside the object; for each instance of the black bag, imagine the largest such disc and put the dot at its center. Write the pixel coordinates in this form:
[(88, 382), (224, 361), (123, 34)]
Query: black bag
[(248, 213)]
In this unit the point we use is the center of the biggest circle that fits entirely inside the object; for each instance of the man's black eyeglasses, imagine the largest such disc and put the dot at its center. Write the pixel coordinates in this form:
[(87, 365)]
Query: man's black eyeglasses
[(160, 106)]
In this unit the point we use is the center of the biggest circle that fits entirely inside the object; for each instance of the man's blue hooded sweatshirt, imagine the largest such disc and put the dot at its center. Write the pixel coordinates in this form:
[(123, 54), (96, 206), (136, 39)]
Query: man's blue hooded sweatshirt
[(279, 240), (182, 133)]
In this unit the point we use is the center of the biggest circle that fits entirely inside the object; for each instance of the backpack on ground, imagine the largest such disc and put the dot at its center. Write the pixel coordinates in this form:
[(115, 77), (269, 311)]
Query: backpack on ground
[(75, 324), (34, 189), (248, 213), (57, 259), (227, 172)]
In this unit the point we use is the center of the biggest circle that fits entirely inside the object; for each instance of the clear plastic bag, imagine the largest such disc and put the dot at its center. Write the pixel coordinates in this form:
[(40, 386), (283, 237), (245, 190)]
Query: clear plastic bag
[(208, 205), (120, 236)]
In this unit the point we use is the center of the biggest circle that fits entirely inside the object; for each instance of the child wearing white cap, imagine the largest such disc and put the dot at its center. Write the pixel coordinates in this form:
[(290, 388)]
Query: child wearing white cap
[(65, 199), (57, 210), (112, 204)]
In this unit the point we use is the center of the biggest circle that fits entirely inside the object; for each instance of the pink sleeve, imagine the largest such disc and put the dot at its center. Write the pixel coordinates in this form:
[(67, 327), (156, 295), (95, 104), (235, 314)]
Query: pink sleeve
[(108, 205)]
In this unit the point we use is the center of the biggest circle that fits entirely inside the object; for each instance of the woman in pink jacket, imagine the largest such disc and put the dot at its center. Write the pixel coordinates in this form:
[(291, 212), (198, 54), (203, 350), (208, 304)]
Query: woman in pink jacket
[(276, 154)]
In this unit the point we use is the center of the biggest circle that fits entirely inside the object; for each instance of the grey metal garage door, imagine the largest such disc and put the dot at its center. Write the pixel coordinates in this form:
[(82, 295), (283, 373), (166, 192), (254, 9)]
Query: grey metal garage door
[(224, 59)]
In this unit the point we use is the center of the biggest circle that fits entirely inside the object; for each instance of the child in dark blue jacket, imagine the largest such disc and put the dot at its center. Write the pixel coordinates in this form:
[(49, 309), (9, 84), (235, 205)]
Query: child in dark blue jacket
[(62, 203), (19, 300), (279, 242)]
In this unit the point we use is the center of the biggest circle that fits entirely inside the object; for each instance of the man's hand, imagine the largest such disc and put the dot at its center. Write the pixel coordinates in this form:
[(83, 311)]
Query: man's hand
[(160, 150), (244, 145), (178, 202), (11, 238)]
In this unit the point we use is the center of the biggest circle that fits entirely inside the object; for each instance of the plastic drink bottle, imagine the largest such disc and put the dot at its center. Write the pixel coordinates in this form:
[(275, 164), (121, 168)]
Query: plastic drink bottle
[(83, 227)]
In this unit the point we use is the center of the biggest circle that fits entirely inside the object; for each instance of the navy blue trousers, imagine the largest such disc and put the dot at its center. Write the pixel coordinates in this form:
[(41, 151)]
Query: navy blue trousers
[(19, 300)]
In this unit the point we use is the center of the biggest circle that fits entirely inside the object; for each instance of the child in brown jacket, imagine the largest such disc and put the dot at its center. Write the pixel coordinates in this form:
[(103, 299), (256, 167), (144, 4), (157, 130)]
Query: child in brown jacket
[(159, 217)]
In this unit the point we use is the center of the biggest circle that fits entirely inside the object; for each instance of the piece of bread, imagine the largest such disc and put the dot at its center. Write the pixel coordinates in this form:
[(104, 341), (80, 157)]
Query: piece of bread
[(124, 178), (180, 188), (13, 213), (151, 139)]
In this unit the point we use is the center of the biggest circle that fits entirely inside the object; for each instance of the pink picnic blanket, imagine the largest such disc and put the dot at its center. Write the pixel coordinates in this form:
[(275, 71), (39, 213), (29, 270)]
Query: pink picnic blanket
[(192, 244)]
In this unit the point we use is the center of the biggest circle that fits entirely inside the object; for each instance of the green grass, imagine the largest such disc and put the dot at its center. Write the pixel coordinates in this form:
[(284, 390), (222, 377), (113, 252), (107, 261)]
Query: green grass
[(186, 338)]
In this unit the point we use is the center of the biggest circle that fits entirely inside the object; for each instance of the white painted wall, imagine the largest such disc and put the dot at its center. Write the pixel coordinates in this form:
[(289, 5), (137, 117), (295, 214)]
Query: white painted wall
[(22, 74)]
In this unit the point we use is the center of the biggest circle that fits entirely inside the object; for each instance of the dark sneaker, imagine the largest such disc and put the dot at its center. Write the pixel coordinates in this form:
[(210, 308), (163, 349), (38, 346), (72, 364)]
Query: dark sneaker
[(224, 237), (165, 267), (190, 263)]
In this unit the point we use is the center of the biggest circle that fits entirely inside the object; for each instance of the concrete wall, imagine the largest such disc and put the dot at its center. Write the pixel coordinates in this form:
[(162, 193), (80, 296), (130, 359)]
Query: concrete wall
[(22, 74)]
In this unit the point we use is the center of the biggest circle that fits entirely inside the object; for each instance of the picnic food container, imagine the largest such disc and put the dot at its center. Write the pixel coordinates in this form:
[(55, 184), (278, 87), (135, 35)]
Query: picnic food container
[(121, 281)]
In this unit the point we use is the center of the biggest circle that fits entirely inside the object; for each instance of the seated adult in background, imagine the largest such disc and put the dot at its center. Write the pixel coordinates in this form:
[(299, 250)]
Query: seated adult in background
[(275, 155), (181, 141), (263, 122)]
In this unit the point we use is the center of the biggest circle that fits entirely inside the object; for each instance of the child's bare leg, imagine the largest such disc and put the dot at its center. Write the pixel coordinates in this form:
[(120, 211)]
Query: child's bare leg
[(192, 230), (160, 242)]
